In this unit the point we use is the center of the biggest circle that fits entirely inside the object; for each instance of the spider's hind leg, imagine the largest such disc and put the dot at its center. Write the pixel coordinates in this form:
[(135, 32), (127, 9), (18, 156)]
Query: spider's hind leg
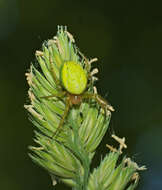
[(101, 101)]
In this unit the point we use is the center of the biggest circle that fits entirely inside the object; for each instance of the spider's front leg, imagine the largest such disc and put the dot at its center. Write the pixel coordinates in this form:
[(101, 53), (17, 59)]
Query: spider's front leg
[(67, 107), (53, 73), (101, 101), (58, 95)]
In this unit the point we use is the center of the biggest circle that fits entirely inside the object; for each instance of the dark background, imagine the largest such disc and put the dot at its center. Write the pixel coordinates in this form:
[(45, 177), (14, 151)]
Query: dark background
[(126, 36)]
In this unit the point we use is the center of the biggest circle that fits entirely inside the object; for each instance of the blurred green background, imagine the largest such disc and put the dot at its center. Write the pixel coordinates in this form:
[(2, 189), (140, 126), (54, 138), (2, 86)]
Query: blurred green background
[(126, 36)]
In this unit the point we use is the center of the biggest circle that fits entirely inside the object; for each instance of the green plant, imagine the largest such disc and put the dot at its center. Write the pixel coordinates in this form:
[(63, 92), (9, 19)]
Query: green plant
[(66, 153)]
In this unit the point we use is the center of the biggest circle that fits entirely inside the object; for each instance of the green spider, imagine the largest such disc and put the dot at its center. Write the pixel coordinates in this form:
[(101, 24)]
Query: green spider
[(73, 83)]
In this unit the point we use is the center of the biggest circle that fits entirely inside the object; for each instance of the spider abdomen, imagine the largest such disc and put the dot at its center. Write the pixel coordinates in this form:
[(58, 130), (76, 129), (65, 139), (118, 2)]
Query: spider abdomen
[(74, 78)]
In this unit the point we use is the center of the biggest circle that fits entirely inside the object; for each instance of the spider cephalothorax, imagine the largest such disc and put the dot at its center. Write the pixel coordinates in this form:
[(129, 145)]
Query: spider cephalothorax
[(74, 79), (74, 99)]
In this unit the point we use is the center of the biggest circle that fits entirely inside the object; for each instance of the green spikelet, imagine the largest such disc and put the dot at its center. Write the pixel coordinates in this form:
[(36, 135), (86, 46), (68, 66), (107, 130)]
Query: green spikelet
[(68, 155)]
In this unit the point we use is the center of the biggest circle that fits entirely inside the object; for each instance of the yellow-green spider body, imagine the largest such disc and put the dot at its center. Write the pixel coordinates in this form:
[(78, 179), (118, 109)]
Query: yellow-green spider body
[(73, 78)]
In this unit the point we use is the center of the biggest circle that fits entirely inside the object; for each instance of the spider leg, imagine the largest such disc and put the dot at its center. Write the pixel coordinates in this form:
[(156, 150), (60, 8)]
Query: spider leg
[(87, 64), (87, 68), (67, 107), (56, 80), (59, 95), (101, 101), (90, 74)]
